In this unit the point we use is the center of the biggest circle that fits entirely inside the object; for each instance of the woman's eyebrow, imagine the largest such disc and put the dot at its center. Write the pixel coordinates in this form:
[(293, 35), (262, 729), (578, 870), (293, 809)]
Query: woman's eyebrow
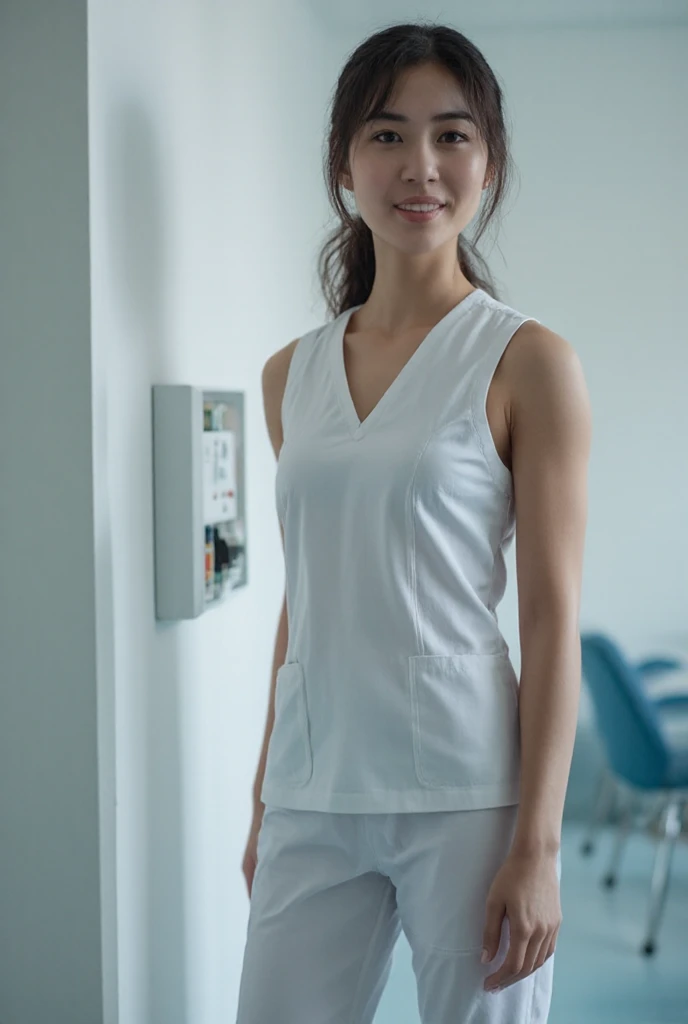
[(448, 115)]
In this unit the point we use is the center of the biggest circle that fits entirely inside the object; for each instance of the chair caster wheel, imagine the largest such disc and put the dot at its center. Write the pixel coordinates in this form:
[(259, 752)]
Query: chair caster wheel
[(648, 949), (609, 881), (586, 848)]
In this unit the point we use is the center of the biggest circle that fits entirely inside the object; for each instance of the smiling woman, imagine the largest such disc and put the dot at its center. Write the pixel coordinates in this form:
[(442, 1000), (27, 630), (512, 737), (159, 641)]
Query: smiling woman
[(446, 107), (403, 779), (377, 162)]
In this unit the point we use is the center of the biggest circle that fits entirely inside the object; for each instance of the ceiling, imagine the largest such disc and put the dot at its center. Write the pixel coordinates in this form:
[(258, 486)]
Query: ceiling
[(357, 16)]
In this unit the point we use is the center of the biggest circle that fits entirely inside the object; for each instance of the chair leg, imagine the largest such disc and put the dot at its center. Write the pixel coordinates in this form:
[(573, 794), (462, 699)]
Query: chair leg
[(662, 868), (627, 801), (604, 802)]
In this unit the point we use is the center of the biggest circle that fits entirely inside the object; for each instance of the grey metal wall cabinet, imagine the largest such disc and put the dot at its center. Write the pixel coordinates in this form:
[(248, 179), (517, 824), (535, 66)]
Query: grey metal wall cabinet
[(199, 498)]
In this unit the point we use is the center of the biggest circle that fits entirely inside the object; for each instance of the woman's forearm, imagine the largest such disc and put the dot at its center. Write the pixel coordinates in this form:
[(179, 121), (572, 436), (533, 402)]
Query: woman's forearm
[(548, 704)]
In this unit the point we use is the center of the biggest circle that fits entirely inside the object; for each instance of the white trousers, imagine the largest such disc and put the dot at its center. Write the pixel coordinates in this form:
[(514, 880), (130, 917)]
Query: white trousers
[(331, 893)]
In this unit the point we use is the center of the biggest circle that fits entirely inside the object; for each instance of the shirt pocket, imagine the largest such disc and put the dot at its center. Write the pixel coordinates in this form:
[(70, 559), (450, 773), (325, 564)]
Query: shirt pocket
[(465, 719), (290, 759)]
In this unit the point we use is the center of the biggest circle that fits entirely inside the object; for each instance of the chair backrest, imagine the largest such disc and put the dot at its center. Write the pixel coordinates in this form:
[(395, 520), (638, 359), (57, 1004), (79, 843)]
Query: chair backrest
[(625, 716)]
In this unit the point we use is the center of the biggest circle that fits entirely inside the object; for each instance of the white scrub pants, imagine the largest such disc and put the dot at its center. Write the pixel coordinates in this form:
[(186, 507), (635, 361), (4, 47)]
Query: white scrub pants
[(331, 893)]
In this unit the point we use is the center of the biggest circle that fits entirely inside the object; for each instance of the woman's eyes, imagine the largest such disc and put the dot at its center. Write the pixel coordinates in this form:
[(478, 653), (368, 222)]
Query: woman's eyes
[(460, 135)]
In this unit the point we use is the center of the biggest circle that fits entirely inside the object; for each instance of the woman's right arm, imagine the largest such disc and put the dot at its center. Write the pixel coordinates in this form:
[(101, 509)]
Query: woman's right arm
[(273, 381)]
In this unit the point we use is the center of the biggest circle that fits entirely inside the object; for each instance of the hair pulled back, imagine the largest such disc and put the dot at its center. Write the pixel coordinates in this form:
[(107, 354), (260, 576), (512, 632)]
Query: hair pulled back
[(346, 263)]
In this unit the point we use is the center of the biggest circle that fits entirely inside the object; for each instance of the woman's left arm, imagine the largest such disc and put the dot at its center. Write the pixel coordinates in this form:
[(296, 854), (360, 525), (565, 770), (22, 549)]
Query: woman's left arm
[(550, 421), (550, 437)]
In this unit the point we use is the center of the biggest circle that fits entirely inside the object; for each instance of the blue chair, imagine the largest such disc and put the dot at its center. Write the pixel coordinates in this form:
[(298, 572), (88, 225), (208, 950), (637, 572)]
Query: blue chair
[(607, 794), (642, 762)]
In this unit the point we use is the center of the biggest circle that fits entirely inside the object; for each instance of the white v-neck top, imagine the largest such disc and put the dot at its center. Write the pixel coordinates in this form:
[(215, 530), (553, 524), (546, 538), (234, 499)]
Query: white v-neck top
[(397, 692)]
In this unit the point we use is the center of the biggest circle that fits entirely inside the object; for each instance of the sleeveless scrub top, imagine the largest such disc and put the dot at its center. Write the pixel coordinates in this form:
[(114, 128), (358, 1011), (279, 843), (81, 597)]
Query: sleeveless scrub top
[(397, 692)]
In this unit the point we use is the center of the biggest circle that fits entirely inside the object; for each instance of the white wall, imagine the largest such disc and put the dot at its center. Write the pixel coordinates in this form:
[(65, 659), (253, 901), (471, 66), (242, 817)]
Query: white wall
[(188, 104), (206, 206)]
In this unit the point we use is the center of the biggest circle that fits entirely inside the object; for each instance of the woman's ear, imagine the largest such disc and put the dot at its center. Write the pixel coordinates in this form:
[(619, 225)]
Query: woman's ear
[(346, 181)]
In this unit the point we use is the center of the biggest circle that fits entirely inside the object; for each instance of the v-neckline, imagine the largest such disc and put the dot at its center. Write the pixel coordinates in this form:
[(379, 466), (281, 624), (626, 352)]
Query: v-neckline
[(359, 427)]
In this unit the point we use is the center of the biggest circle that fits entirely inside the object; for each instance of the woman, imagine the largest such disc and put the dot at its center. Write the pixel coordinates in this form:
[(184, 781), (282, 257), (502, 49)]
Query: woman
[(407, 780)]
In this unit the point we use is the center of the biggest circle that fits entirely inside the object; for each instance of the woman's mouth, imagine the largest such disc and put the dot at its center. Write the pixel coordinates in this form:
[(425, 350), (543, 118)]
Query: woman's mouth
[(421, 214)]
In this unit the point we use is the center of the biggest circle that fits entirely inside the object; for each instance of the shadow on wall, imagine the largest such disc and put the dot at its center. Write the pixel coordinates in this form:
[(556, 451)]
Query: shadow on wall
[(137, 353)]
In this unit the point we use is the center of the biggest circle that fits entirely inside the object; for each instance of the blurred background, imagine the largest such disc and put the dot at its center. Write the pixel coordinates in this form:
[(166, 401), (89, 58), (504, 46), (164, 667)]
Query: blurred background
[(161, 206)]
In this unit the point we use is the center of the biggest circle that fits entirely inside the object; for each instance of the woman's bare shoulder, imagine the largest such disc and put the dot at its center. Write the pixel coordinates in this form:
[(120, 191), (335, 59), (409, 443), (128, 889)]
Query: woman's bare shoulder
[(534, 352)]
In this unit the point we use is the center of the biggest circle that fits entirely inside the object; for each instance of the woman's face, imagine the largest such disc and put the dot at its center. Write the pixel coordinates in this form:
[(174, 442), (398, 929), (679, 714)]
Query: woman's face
[(392, 160)]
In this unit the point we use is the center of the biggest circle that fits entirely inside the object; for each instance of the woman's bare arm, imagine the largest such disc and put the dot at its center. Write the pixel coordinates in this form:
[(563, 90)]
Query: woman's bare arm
[(273, 380)]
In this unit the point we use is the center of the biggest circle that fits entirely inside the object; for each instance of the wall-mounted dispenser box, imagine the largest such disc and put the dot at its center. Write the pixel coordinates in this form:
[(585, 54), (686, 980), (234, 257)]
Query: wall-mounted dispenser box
[(199, 498)]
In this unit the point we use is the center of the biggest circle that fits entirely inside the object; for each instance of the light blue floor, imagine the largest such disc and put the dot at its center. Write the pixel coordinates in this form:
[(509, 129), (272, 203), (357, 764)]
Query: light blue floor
[(600, 977)]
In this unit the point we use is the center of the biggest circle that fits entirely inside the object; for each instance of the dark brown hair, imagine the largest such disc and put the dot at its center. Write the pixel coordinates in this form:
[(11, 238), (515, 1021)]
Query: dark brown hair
[(346, 264)]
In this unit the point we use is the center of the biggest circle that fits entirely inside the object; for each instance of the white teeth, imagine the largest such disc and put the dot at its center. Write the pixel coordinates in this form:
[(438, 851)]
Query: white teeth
[(420, 207)]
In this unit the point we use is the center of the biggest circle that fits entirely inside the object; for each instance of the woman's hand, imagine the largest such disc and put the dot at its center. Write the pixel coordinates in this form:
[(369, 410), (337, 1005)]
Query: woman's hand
[(526, 890), (250, 861)]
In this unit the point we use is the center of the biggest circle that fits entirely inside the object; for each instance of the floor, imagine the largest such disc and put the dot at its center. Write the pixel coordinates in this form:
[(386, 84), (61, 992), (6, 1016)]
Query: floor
[(600, 976)]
